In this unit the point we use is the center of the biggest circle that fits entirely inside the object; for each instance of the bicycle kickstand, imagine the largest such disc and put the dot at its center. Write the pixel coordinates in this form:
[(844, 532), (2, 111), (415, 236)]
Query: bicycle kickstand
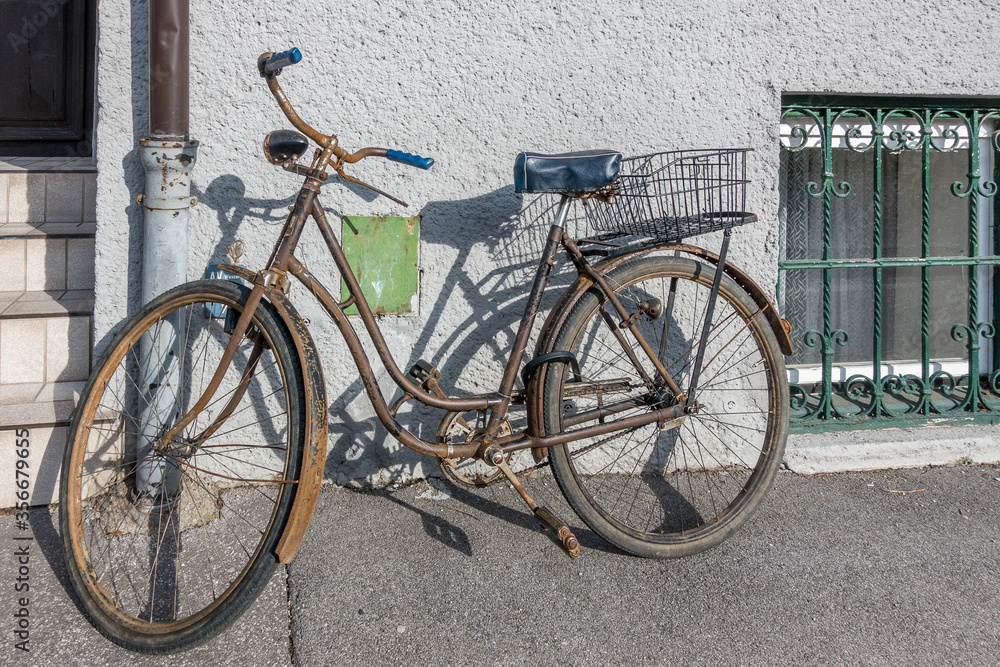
[(546, 519)]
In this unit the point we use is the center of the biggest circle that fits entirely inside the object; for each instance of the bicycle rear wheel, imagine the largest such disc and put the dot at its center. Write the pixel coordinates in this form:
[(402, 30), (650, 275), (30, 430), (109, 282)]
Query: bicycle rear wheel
[(168, 545), (678, 491)]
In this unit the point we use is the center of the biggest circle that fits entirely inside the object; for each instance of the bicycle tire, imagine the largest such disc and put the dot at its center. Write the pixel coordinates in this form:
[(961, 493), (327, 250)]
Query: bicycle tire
[(677, 492), (165, 549)]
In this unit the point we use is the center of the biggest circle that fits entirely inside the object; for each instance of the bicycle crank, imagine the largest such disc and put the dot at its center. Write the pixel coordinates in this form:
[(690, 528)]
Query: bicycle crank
[(546, 519), (469, 472)]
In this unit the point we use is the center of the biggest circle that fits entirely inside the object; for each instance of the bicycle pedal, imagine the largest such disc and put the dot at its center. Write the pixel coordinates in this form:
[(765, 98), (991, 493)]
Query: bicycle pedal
[(423, 370), (547, 519)]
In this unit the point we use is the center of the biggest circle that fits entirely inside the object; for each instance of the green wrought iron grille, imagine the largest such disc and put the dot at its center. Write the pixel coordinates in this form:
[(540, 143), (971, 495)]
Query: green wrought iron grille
[(889, 251)]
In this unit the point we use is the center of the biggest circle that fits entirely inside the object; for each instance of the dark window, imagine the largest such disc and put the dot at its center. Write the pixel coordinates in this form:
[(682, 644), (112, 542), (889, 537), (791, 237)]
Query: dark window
[(48, 52)]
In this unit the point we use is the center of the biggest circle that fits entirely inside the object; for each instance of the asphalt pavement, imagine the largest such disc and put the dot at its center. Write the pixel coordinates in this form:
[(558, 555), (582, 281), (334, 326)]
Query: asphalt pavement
[(876, 568)]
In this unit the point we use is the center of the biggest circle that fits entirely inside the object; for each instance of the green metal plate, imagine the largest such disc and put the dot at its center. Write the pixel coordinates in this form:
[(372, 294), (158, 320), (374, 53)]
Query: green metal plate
[(382, 252)]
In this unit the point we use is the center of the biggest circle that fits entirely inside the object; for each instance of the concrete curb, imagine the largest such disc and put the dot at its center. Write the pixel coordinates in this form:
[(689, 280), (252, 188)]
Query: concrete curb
[(845, 451)]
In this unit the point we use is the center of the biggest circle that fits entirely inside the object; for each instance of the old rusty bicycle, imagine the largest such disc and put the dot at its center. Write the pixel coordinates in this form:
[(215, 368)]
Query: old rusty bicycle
[(656, 391)]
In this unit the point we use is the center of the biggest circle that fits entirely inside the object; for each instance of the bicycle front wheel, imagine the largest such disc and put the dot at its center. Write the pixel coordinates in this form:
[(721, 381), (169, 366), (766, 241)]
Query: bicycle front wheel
[(671, 492), (168, 543)]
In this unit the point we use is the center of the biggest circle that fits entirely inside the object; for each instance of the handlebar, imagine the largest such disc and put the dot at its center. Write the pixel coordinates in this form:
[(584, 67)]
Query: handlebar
[(410, 159), (270, 65), (277, 61)]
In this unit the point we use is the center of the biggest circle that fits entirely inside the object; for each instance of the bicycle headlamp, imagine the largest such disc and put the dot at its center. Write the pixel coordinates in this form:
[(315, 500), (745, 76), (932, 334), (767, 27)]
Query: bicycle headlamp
[(284, 146)]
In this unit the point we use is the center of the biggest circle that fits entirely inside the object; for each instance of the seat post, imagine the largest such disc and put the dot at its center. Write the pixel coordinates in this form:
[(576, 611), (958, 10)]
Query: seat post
[(563, 211)]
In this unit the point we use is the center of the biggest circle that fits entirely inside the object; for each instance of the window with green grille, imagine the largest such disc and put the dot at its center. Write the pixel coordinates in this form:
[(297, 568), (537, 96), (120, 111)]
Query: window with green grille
[(887, 270)]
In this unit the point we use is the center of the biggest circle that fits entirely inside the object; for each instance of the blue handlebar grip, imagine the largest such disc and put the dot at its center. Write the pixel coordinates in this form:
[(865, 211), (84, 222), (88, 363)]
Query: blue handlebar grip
[(410, 159), (283, 59)]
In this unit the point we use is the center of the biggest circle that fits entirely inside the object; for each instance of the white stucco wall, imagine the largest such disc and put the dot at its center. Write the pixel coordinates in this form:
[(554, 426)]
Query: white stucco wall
[(470, 84)]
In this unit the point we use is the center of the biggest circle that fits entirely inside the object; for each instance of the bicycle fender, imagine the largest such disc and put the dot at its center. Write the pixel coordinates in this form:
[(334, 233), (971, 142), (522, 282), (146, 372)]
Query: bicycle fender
[(560, 311), (316, 424)]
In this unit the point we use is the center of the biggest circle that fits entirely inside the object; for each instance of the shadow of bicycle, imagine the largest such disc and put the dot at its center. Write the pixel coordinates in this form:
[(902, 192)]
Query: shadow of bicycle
[(469, 319)]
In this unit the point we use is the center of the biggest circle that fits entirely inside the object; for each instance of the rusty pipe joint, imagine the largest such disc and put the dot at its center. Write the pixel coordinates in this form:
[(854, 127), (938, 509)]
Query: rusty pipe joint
[(168, 166)]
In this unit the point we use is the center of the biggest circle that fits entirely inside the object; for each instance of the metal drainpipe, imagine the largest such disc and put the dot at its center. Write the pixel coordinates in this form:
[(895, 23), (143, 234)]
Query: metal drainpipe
[(168, 155)]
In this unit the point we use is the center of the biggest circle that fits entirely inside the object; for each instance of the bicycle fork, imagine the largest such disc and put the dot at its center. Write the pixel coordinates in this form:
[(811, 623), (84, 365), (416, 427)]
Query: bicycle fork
[(158, 476)]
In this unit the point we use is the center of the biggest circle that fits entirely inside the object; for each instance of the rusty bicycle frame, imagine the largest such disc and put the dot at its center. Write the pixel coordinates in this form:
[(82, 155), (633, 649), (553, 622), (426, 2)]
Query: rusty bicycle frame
[(493, 446)]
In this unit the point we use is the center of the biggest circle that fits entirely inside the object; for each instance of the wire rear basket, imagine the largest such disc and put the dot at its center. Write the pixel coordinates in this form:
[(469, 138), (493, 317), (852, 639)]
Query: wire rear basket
[(673, 195)]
